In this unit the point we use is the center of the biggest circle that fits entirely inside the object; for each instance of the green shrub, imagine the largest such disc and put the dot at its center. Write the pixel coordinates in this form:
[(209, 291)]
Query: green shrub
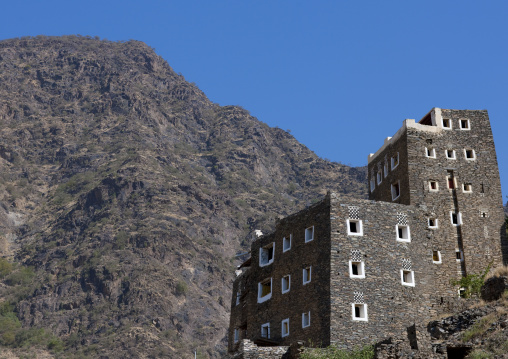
[(181, 288), (5, 268), (22, 276), (472, 283), (479, 354), (333, 352)]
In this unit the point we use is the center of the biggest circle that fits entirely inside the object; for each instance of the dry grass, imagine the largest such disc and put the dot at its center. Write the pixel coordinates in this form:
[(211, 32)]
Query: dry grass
[(501, 271)]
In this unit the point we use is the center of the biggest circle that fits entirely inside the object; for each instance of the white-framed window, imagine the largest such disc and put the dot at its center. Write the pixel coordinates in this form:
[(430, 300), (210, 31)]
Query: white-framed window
[(309, 234), (354, 227), (286, 243), (237, 335), (265, 330), (395, 189), (266, 254), (403, 233), (359, 311), (436, 257), (356, 269), (379, 176), (286, 283), (305, 320), (459, 255), (395, 161), (450, 154), (430, 152), (433, 223), (264, 290), (433, 186), (238, 295), (467, 188), (469, 154), (307, 273), (285, 327), (407, 277), (464, 124), (456, 218), (447, 123), (385, 169), (372, 185), (450, 182)]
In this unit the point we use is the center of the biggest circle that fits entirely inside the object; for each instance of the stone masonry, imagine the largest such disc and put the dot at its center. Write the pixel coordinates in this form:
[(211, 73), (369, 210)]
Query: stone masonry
[(352, 272)]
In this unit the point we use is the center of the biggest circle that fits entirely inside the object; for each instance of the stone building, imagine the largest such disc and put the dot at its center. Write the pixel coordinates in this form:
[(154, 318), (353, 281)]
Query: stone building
[(355, 272)]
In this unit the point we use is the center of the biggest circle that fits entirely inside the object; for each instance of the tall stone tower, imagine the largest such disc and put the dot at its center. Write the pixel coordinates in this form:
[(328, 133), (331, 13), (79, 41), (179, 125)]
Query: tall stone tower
[(446, 164)]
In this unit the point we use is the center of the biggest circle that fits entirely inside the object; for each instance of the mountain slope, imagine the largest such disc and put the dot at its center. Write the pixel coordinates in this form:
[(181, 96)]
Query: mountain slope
[(129, 193)]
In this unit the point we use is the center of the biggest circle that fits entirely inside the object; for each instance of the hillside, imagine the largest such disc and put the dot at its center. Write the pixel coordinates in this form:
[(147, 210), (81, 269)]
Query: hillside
[(124, 196)]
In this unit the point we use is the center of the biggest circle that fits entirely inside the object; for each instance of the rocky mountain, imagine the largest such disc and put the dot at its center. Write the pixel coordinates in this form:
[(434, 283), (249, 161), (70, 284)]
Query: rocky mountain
[(125, 194)]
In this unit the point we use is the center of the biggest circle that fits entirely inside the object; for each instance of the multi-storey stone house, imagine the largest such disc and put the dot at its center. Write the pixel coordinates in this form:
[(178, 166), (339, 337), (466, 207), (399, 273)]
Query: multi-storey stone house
[(354, 272)]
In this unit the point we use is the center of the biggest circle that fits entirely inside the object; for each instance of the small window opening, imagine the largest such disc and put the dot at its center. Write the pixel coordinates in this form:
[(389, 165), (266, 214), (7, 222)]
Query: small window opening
[(309, 234), (354, 227), (483, 214), (432, 222), (467, 187), (459, 255), (286, 243), (237, 335), (285, 327), (482, 190), (447, 123), (451, 183), (433, 186), (379, 176), (265, 331), (266, 254), (407, 277), (264, 290), (385, 168), (372, 185), (464, 124), (305, 320), (430, 152), (395, 161), (395, 191), (470, 155), (456, 218), (307, 275), (450, 154), (436, 257), (238, 295), (403, 233), (286, 283), (360, 312), (356, 269)]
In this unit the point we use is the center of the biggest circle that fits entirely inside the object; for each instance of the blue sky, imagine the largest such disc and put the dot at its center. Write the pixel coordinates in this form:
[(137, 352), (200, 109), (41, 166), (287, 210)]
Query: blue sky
[(341, 75)]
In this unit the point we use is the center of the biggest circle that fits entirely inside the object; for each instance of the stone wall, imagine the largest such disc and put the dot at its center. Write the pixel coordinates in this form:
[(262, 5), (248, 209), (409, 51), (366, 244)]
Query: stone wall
[(248, 350)]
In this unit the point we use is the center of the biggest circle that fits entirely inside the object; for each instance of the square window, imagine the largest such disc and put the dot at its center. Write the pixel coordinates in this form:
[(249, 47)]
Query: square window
[(359, 312), (464, 124), (447, 123), (456, 218), (459, 255), (356, 269), (450, 154), (237, 335), (469, 154), (395, 161), (266, 254), (385, 168), (286, 243), (467, 187), (379, 177), (285, 327), (286, 283), (265, 331), (436, 257), (309, 234), (433, 186), (305, 320), (372, 185), (395, 190), (430, 152), (403, 233), (354, 227), (433, 223), (264, 290), (407, 277), (307, 275)]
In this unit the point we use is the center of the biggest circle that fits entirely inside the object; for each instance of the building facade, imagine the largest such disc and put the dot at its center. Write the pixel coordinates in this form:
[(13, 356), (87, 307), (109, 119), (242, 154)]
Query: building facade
[(354, 272)]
